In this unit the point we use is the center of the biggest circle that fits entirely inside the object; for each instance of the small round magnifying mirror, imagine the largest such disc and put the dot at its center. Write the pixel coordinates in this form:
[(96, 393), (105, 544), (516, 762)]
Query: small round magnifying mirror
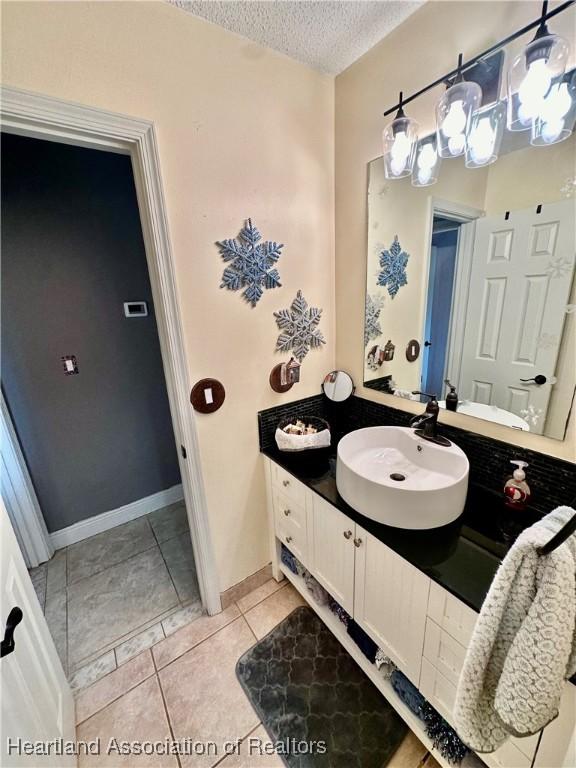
[(338, 386)]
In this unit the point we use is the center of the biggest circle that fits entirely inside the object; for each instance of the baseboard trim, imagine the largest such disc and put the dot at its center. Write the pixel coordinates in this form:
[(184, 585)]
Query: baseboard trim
[(99, 523)]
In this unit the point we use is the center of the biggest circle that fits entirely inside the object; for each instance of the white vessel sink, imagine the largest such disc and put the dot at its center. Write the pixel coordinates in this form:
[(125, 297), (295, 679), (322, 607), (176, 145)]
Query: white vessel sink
[(391, 475)]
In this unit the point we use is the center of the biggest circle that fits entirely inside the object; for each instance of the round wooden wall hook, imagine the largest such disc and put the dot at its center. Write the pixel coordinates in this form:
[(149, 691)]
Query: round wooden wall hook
[(276, 379), (207, 395)]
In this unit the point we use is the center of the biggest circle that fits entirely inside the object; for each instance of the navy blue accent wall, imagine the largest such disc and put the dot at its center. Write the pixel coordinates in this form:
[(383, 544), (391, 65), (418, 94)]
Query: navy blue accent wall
[(72, 253)]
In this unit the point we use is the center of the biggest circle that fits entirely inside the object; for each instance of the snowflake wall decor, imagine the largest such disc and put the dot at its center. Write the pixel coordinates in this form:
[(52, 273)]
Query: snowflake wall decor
[(252, 263), (559, 266), (393, 263), (372, 329), (531, 415), (298, 326)]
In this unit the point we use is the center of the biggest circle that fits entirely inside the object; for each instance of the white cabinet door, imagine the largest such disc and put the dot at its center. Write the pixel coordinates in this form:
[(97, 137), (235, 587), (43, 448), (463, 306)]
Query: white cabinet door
[(390, 602), (37, 703), (332, 552)]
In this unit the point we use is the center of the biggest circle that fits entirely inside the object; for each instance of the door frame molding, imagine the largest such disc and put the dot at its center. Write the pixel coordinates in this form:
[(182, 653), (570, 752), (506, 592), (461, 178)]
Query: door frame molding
[(20, 497), (38, 116), (464, 214)]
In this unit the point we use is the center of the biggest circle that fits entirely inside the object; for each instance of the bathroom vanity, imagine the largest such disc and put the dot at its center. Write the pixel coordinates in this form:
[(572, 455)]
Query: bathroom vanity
[(415, 593)]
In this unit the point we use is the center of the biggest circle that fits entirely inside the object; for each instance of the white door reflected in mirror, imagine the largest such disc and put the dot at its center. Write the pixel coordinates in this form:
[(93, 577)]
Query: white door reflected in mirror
[(338, 386)]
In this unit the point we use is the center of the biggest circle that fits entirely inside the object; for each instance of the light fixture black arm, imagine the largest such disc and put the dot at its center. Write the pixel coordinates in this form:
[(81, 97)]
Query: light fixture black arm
[(467, 64)]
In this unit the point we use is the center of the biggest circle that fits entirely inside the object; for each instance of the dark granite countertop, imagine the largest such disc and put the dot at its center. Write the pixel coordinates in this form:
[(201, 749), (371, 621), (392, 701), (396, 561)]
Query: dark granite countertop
[(462, 557)]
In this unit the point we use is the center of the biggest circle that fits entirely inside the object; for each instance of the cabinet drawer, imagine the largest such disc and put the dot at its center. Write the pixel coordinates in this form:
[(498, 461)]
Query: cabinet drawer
[(441, 693), (287, 509), (443, 652), (295, 538), (451, 614), (288, 485)]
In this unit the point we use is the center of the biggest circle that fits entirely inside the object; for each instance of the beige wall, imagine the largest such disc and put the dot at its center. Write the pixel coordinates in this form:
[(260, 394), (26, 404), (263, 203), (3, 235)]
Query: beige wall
[(422, 48), (242, 132)]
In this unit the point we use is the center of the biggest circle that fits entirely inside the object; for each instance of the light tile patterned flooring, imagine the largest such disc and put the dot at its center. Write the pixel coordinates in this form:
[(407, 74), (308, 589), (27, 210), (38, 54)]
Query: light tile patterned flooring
[(185, 686), (109, 597)]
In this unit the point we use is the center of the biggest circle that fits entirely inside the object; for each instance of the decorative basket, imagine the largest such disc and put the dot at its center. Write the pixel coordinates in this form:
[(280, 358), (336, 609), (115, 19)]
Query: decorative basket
[(298, 443)]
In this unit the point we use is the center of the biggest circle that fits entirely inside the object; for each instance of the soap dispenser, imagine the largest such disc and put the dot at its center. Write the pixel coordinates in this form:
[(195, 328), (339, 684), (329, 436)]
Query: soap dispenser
[(516, 489), (451, 397)]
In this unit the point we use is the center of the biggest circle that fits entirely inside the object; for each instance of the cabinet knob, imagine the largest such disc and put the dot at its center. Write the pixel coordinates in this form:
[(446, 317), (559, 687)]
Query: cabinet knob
[(286, 512), (357, 542), (347, 534), (288, 539), (285, 483)]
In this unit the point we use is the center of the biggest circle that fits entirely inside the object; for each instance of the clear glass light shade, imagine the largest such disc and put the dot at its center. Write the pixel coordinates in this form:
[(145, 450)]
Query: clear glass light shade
[(453, 115), (426, 164), (557, 114), (530, 78), (485, 135), (400, 139)]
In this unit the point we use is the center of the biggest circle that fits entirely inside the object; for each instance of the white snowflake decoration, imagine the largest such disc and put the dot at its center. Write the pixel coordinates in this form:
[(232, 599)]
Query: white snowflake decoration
[(559, 266), (531, 415), (372, 329), (569, 188), (393, 263), (252, 263), (298, 326), (547, 341)]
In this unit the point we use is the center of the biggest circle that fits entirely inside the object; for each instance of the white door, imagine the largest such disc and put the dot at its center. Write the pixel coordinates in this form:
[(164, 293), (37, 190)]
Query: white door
[(36, 700), (520, 284), (390, 602), (332, 552)]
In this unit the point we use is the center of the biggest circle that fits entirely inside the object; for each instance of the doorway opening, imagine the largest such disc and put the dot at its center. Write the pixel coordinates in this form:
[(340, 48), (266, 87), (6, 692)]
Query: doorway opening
[(441, 280), (85, 399)]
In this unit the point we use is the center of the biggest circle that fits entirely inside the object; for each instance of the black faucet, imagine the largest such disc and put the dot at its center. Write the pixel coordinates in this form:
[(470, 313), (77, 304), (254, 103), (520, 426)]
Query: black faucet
[(426, 424)]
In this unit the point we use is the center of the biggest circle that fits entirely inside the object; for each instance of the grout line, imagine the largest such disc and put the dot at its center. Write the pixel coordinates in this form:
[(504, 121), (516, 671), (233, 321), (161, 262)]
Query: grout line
[(120, 695), (112, 565), (276, 591), (165, 707), (196, 645), (249, 627), (242, 740)]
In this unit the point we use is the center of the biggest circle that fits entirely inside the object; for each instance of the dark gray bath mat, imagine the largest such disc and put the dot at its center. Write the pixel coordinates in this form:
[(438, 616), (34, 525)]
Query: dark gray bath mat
[(306, 688)]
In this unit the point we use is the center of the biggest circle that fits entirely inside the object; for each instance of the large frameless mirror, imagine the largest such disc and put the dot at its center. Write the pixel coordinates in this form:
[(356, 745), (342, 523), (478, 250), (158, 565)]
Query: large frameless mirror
[(470, 287)]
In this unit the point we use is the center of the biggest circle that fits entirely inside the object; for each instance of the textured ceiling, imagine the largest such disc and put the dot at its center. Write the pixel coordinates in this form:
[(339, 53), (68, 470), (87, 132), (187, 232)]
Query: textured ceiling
[(325, 35)]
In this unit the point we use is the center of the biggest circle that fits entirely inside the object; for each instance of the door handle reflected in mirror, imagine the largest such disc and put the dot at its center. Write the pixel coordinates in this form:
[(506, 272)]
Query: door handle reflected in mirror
[(539, 379), (427, 343)]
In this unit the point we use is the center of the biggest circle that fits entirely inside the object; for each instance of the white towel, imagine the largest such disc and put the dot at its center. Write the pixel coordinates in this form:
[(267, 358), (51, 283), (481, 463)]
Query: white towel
[(524, 643)]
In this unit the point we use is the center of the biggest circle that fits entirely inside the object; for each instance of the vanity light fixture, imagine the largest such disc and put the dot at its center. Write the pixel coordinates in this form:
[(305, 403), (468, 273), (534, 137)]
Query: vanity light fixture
[(540, 98), (557, 113), (485, 135), (427, 162), (454, 113), (532, 74), (399, 141)]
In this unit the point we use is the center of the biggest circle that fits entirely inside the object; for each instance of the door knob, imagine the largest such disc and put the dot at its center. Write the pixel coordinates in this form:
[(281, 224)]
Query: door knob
[(427, 343), (286, 512), (357, 542), (8, 644), (539, 379), (347, 534), (288, 539), (285, 483)]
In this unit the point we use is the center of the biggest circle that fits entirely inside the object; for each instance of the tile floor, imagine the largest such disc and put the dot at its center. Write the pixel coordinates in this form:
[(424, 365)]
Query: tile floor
[(185, 686), (109, 597)]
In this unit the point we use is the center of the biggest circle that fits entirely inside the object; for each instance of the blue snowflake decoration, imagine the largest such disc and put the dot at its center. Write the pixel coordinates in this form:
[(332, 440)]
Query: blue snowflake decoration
[(252, 263), (393, 263)]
